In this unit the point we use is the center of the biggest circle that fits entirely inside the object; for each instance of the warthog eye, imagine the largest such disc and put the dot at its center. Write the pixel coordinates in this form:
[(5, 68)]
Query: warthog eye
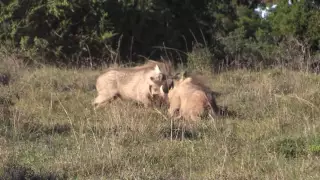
[(164, 77), (170, 84), (161, 77)]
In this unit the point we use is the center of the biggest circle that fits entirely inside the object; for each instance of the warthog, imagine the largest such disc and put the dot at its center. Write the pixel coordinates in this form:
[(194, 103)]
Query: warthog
[(190, 98), (140, 83)]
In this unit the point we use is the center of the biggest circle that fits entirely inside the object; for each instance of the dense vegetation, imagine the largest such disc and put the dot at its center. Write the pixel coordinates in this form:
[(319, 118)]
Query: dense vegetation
[(228, 31)]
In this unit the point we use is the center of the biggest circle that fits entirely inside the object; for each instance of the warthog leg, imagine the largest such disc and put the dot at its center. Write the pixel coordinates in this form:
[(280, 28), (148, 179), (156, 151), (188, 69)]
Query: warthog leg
[(102, 99), (147, 103)]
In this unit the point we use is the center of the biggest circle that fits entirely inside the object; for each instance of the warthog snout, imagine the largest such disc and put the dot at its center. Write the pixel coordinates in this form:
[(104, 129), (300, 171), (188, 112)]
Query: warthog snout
[(167, 85), (165, 88)]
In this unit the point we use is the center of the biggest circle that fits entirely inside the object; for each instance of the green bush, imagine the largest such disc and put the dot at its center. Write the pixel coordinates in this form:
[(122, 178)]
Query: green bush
[(87, 31), (200, 60), (56, 29), (290, 148)]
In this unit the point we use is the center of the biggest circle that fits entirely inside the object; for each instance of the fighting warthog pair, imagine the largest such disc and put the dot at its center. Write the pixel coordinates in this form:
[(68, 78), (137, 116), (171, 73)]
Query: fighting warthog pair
[(186, 95)]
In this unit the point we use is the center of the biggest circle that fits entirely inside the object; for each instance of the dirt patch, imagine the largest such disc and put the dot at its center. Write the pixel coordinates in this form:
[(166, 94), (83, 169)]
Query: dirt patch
[(18, 172), (4, 79)]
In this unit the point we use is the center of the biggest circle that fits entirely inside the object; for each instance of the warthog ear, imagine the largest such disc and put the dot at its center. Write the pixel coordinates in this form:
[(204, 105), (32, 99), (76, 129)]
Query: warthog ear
[(184, 74), (157, 69), (160, 77), (176, 76)]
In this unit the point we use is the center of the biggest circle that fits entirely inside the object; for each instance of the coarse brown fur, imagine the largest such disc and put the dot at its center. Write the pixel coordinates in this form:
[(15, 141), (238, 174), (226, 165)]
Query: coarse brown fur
[(190, 98)]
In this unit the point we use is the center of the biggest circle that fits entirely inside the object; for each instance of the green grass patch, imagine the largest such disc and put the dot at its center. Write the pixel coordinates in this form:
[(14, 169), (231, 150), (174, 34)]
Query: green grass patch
[(48, 128)]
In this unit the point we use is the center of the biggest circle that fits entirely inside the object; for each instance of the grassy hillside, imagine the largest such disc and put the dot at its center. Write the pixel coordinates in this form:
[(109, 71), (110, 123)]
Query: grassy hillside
[(49, 129)]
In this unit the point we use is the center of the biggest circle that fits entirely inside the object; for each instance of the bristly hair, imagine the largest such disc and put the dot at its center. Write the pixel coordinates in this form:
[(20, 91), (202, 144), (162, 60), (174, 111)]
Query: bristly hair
[(196, 78), (148, 65)]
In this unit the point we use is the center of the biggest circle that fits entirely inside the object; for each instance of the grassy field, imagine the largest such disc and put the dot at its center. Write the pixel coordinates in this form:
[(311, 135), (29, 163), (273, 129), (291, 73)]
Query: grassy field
[(49, 129)]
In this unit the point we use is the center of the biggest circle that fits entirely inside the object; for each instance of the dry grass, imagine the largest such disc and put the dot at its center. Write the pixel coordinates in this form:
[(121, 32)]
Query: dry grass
[(49, 128)]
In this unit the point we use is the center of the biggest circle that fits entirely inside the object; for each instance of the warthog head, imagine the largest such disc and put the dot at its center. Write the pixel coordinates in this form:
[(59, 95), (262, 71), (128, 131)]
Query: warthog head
[(160, 83), (168, 86)]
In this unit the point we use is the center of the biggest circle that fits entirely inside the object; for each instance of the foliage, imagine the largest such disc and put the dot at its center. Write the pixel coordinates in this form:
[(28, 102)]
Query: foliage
[(122, 30), (56, 28), (200, 60), (300, 20), (290, 148), (289, 35)]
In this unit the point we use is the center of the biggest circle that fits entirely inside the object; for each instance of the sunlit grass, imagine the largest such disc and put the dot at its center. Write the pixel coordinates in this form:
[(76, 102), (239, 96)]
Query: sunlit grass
[(51, 127)]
